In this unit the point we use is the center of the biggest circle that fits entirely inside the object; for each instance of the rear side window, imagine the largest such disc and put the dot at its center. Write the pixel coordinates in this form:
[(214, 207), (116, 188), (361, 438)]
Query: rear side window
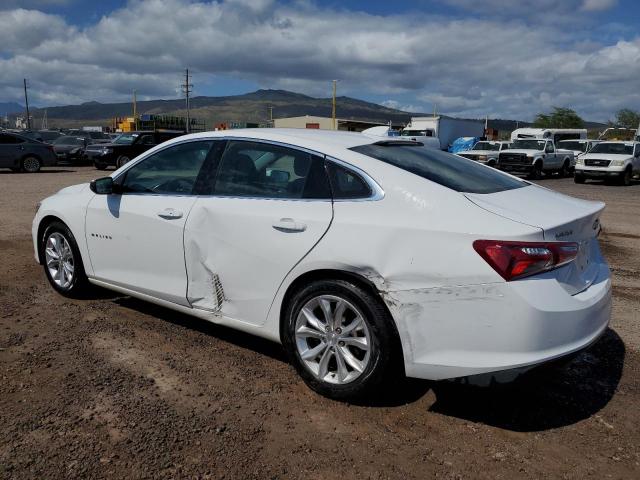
[(346, 184), (263, 170), (451, 171), (9, 139)]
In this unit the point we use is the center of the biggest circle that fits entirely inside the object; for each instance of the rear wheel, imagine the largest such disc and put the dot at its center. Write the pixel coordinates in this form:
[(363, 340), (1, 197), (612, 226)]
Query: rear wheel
[(62, 262), (31, 164), (340, 339)]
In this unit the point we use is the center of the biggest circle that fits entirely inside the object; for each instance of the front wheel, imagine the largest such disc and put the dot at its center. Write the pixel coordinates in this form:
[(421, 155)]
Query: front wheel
[(625, 178), (565, 171), (31, 164), (122, 160), (62, 262), (578, 178), (100, 166), (340, 338), (536, 171)]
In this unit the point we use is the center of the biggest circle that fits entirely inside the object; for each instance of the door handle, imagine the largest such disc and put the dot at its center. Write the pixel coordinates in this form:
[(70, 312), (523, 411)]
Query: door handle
[(289, 225), (170, 214)]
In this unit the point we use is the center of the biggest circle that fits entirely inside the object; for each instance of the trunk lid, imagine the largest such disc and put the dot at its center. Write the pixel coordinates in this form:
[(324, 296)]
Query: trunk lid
[(561, 218)]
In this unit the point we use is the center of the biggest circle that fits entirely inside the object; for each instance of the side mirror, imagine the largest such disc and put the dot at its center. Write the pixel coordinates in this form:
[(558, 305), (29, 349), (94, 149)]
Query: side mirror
[(102, 186)]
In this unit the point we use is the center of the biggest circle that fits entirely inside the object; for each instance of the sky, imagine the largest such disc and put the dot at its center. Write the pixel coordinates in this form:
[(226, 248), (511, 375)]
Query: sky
[(469, 58)]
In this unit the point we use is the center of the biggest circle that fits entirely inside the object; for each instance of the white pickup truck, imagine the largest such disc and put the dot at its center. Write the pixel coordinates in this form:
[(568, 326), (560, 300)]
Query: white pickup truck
[(486, 152), (609, 161), (534, 156)]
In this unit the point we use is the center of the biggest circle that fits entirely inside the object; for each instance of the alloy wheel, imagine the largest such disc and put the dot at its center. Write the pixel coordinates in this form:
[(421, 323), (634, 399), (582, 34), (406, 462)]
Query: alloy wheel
[(333, 339), (31, 164), (60, 261)]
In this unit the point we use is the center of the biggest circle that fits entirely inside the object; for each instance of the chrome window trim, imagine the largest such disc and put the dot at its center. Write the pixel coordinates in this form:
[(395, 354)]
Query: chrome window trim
[(376, 189)]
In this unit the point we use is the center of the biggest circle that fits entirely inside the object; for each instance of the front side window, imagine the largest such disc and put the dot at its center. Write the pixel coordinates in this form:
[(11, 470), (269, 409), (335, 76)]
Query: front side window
[(173, 170), (451, 171), (262, 170)]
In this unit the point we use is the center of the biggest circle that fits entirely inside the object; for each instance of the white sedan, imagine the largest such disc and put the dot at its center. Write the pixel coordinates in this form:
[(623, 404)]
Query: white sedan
[(365, 258)]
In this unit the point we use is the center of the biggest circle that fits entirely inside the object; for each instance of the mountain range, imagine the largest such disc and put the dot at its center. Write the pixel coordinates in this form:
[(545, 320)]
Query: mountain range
[(255, 107)]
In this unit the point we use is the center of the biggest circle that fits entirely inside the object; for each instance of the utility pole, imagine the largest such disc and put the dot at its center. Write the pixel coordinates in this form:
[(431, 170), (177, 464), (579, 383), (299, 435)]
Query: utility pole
[(26, 102), (187, 88), (333, 110), (135, 111), (271, 116), (45, 123)]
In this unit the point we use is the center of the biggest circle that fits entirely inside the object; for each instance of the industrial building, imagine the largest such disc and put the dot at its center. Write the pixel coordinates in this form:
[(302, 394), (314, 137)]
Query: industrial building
[(326, 123)]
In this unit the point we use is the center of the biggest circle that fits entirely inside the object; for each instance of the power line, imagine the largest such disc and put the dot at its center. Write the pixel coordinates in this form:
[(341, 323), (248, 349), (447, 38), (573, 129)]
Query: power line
[(187, 89)]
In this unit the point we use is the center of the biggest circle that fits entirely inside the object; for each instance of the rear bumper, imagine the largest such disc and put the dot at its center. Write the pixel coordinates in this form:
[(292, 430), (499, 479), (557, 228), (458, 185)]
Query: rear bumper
[(469, 330)]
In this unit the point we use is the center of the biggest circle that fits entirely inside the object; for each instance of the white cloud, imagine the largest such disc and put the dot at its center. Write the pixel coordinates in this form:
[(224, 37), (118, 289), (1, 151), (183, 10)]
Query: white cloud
[(598, 5), (469, 67)]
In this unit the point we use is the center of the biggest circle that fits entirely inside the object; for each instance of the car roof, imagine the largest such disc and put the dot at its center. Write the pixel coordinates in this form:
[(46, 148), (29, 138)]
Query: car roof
[(321, 140)]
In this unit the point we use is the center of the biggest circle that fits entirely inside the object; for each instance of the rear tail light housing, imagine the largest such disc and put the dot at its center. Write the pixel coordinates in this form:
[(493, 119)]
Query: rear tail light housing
[(513, 260)]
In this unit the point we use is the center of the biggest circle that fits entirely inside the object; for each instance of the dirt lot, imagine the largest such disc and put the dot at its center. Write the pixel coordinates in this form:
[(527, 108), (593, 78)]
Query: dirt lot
[(113, 387)]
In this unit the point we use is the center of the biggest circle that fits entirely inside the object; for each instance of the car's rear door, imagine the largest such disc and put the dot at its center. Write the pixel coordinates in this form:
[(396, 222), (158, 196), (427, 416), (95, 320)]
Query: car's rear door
[(135, 238), (267, 207)]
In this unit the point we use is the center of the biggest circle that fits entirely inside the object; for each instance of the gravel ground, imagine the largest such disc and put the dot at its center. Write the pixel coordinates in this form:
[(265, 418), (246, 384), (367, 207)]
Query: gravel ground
[(113, 387)]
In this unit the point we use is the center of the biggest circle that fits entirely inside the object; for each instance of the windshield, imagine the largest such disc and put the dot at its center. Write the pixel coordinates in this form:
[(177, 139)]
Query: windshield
[(528, 144), (417, 133), (68, 141), (486, 146), (126, 139), (613, 148), (451, 171), (573, 145)]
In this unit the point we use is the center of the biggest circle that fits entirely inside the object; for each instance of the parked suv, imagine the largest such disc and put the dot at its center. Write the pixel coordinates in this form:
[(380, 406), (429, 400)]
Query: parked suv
[(24, 154), (126, 147), (610, 160)]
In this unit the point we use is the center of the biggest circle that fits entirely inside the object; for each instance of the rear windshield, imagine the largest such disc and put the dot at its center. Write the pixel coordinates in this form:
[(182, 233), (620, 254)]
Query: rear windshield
[(573, 145), (451, 171), (486, 146)]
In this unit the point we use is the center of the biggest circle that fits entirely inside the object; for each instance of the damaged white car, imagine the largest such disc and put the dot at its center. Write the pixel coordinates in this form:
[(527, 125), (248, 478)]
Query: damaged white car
[(365, 258)]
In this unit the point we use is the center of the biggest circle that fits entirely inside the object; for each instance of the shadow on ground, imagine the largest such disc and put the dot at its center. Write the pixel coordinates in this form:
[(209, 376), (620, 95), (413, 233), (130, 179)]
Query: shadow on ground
[(550, 396)]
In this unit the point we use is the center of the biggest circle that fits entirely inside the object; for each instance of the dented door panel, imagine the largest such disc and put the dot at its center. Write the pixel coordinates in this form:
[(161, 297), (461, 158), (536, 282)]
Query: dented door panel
[(239, 250)]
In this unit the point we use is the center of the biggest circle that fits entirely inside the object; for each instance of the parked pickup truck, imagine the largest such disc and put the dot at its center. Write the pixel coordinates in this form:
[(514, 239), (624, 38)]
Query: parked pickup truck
[(126, 147), (485, 152), (534, 156), (609, 161)]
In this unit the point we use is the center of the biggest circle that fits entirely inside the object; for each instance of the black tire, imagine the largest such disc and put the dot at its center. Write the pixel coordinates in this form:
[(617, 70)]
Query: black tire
[(385, 355), (565, 171), (100, 166), (122, 160), (79, 284), (536, 171), (31, 164), (625, 178), (579, 179)]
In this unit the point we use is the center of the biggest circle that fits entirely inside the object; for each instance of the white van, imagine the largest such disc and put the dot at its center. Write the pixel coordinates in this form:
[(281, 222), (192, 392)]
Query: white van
[(555, 134)]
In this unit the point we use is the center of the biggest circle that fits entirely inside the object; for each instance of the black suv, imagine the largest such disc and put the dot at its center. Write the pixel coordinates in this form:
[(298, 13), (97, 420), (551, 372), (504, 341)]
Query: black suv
[(126, 147)]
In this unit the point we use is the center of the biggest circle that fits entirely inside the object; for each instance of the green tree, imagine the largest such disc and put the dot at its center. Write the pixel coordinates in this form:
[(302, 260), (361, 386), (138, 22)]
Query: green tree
[(627, 118), (559, 118)]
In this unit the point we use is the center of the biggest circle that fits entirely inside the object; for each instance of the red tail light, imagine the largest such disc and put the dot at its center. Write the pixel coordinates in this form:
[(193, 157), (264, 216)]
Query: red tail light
[(514, 260)]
